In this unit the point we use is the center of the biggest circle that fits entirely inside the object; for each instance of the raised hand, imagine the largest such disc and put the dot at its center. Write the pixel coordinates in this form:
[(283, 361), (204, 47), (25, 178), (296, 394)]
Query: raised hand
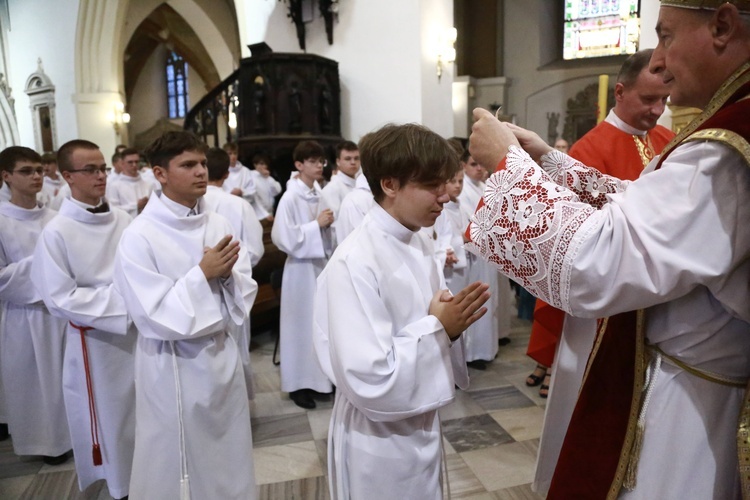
[(490, 139)]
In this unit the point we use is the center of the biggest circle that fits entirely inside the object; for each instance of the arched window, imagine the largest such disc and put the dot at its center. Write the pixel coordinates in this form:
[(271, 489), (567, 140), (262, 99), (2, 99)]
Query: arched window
[(177, 85)]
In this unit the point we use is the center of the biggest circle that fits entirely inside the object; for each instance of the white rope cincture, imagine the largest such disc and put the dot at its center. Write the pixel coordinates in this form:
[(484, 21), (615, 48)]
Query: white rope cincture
[(184, 477)]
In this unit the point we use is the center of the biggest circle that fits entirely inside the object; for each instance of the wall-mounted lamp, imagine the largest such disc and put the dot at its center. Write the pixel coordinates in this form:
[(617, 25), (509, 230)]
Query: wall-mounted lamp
[(234, 102), (118, 117), (446, 50)]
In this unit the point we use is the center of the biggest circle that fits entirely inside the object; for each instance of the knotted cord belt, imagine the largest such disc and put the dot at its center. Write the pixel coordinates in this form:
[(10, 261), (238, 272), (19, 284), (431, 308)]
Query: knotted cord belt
[(96, 450)]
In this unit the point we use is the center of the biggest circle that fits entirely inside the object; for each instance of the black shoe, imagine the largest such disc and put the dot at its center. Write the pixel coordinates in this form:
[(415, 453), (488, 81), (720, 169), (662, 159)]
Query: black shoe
[(478, 364), (503, 341), (60, 459), (4, 434), (321, 396), (303, 399)]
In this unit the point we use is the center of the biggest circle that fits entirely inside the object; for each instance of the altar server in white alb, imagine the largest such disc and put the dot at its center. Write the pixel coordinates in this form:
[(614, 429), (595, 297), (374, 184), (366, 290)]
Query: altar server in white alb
[(354, 207), (301, 231), (266, 187), (73, 267), (248, 230), (31, 339), (344, 182), (184, 279), (131, 191), (54, 185), (387, 331), (240, 181), (482, 343), (457, 273)]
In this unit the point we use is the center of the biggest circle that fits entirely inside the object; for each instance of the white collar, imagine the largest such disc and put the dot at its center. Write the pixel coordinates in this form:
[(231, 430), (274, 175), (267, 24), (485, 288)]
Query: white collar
[(178, 209), (615, 120)]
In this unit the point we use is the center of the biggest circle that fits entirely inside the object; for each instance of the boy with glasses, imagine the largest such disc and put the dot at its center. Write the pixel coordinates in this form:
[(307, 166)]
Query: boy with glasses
[(73, 266), (304, 235), (31, 339)]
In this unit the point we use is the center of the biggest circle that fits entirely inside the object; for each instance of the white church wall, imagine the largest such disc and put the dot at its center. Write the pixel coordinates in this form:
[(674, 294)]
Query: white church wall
[(437, 106), (386, 74), (43, 29)]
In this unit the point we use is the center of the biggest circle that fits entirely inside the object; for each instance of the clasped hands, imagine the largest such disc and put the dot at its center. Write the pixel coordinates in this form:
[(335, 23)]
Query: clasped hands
[(459, 312), (218, 261)]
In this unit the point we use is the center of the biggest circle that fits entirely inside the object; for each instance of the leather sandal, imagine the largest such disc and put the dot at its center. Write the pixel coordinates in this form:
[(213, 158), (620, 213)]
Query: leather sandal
[(544, 388), (536, 379)]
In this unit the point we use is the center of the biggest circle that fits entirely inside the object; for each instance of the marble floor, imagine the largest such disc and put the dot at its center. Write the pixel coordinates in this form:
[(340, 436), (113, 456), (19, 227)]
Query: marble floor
[(491, 435)]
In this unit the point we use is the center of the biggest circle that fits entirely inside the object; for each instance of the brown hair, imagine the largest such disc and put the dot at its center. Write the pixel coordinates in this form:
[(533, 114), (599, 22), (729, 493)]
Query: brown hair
[(407, 153), (65, 153), (306, 150), (171, 144), (633, 66), (345, 146), (217, 162), (13, 154)]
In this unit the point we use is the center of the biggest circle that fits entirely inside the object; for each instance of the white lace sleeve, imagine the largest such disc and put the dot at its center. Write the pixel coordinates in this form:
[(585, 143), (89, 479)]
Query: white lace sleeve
[(588, 183), (525, 226)]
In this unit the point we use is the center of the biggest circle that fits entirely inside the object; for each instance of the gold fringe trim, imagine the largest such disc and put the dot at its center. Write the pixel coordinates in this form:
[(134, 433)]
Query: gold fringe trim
[(635, 455), (629, 446)]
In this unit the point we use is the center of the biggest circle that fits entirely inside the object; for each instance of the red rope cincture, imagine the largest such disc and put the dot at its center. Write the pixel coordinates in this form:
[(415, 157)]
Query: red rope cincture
[(96, 450)]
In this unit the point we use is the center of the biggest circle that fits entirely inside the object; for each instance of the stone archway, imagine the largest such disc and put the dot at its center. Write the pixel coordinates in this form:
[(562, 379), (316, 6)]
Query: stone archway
[(100, 47)]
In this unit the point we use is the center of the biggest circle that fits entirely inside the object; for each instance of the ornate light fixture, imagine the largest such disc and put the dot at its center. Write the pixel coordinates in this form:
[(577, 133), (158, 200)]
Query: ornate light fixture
[(446, 49), (118, 117)]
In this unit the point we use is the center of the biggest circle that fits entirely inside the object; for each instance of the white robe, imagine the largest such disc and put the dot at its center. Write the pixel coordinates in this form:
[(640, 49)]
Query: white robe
[(32, 341), (248, 230), (333, 194), (297, 233), (266, 190), (456, 276), (676, 242), (240, 177), (73, 267), (176, 310), (126, 191), (392, 363), (482, 336), (353, 208), (53, 187), (148, 174)]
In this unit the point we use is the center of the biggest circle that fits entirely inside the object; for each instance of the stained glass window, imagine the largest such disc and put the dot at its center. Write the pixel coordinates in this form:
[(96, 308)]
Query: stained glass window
[(596, 28), (177, 85)]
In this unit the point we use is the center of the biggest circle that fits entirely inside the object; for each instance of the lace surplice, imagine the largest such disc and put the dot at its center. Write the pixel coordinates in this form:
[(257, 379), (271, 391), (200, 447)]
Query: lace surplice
[(528, 217)]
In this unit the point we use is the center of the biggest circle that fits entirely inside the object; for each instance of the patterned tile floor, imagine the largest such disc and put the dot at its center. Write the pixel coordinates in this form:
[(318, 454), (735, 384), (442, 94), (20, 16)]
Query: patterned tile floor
[(491, 433)]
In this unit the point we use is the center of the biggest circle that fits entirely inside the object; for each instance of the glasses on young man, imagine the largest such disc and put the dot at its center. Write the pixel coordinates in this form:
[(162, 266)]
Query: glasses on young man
[(321, 161), (92, 170), (27, 171)]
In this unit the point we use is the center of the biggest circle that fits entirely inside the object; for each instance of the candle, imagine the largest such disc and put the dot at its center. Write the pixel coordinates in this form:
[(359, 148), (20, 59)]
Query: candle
[(602, 107)]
